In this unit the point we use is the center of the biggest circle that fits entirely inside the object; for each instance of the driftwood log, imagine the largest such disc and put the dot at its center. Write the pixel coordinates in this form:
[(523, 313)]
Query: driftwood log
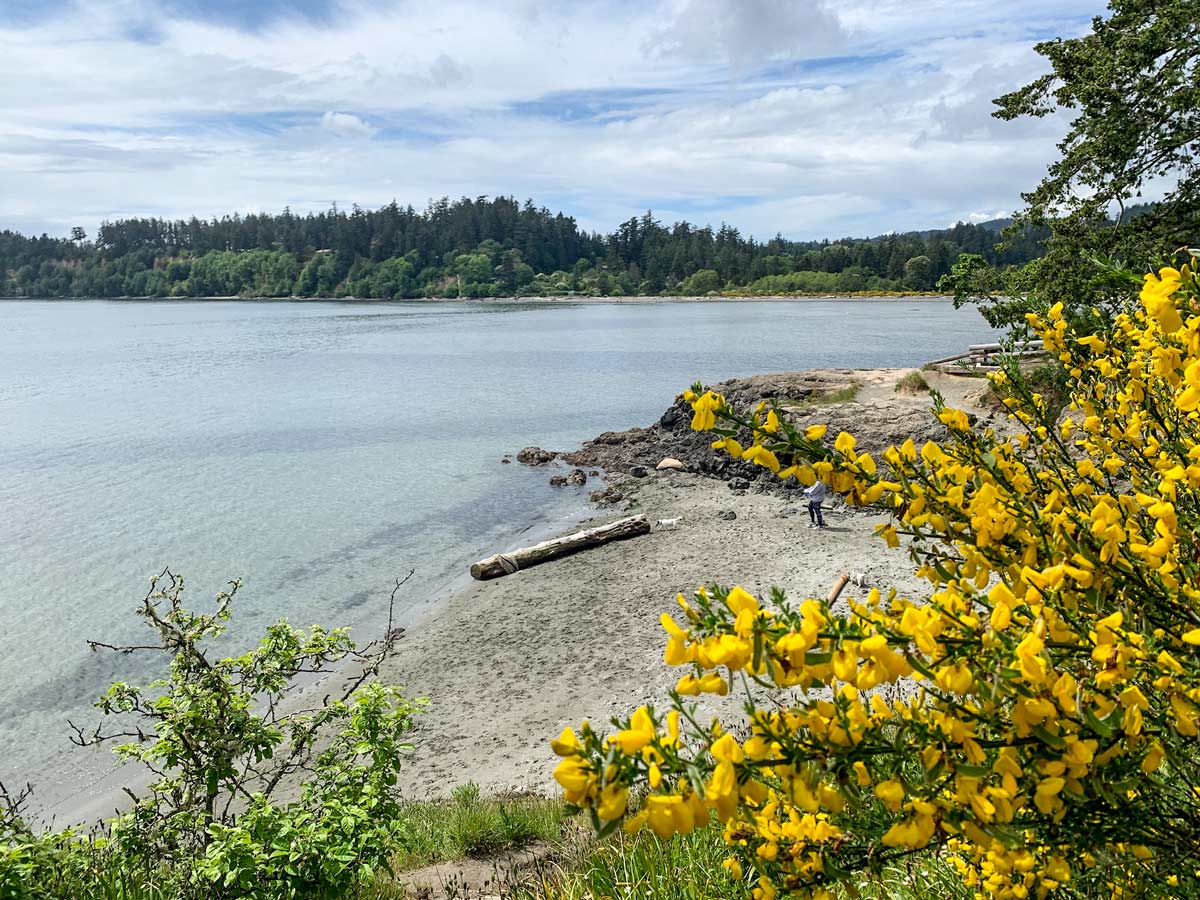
[(507, 563)]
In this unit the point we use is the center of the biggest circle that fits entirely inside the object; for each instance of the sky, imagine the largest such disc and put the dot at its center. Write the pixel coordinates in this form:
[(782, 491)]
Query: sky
[(802, 117)]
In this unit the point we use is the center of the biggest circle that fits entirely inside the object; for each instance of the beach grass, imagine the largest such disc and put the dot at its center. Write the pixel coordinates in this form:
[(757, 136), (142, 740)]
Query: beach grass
[(689, 867), (686, 867), (471, 825), (912, 383), (845, 394)]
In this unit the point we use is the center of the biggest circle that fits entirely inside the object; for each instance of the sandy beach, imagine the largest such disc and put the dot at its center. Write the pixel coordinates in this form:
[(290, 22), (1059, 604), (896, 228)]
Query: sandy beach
[(507, 663)]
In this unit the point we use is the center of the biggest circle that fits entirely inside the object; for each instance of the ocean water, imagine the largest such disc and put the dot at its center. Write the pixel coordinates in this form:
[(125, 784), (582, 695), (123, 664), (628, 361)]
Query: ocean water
[(318, 450)]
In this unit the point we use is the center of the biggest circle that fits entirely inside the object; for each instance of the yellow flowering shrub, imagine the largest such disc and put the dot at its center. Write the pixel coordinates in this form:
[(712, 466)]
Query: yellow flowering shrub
[(1033, 719)]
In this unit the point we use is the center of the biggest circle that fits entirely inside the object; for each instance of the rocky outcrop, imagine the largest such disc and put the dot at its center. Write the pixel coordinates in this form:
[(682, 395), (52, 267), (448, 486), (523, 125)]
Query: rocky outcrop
[(877, 424), (574, 478), (536, 456)]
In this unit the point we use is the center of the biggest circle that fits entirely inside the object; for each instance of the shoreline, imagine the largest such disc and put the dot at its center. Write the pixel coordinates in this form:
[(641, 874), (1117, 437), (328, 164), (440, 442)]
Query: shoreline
[(922, 297), (507, 663)]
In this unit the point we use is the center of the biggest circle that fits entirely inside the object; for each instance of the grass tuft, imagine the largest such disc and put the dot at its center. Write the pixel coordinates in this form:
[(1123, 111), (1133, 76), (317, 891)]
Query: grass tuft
[(841, 395), (686, 867), (472, 825), (912, 383)]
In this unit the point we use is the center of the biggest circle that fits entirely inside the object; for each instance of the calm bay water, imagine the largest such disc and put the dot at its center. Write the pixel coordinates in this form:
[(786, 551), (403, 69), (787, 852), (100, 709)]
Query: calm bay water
[(317, 450)]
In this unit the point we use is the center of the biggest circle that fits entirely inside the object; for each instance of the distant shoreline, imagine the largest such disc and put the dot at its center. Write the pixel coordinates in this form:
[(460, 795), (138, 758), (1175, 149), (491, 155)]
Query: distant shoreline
[(562, 298)]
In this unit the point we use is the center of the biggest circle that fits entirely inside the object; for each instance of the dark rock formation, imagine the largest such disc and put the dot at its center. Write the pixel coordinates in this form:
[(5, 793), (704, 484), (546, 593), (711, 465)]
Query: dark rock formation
[(876, 425), (535, 456)]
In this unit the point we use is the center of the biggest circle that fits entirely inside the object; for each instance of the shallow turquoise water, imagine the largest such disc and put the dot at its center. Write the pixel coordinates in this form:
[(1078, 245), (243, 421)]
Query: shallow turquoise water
[(317, 450)]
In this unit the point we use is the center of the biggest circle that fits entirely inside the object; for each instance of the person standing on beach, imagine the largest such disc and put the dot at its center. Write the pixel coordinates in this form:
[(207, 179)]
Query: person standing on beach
[(815, 494)]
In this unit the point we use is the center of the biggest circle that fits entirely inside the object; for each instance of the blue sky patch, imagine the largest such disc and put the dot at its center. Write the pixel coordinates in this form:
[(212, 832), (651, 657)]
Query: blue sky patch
[(603, 104), (249, 15)]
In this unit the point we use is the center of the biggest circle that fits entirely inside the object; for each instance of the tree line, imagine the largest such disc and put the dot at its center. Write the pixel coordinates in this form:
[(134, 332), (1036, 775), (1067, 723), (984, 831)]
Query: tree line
[(482, 247)]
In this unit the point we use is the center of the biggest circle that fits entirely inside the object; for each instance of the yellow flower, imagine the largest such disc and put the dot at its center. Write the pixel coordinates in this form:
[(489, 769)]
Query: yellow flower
[(712, 683), (730, 446), (815, 432), (740, 600), (726, 749), (891, 793), (704, 411), (566, 744), (574, 776), (1046, 796), (640, 732), (1156, 297), (669, 814), (760, 455), (613, 800), (677, 651)]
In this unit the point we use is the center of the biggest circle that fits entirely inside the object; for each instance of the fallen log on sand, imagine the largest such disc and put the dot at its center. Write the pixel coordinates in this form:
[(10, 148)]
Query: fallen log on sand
[(507, 563)]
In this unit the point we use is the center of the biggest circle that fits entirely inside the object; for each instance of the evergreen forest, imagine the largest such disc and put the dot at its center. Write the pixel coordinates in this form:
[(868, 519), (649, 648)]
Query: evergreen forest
[(483, 247)]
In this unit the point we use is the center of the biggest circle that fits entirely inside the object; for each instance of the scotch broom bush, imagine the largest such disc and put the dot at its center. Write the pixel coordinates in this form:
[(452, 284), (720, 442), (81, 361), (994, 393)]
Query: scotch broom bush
[(1032, 719)]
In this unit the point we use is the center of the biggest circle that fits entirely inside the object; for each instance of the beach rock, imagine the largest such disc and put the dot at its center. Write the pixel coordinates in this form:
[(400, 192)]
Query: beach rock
[(578, 477), (535, 456), (727, 514), (506, 460), (639, 471), (609, 496), (672, 435), (669, 462), (558, 480), (672, 417), (739, 484)]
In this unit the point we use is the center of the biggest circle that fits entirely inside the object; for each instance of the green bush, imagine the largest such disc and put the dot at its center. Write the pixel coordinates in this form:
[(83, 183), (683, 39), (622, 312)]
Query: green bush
[(219, 737)]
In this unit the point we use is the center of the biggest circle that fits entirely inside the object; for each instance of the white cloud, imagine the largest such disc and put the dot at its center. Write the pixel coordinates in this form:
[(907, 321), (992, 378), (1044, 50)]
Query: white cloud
[(977, 217), (749, 32), (346, 125), (446, 72), (709, 110)]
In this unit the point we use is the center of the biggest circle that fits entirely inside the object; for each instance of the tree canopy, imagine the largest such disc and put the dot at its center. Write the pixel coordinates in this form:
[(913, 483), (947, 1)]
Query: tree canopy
[(1133, 86), (467, 248)]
